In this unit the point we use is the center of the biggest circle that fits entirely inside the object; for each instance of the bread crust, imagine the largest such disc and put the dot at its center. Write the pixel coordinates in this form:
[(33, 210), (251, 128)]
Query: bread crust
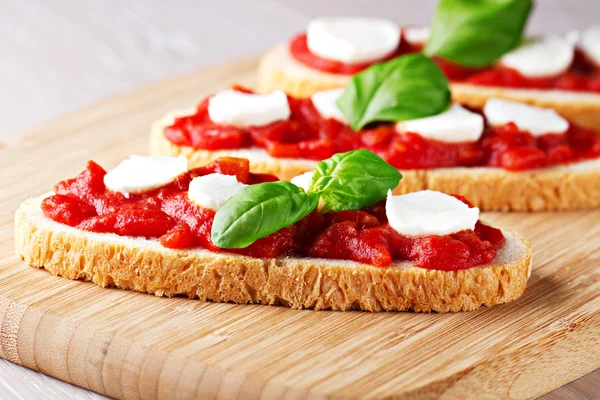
[(279, 70), (493, 189), (582, 108), (145, 266)]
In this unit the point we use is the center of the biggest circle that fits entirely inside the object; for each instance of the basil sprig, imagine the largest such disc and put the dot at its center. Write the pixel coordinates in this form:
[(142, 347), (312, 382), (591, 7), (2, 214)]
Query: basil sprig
[(353, 180), (347, 181), (475, 33), (259, 210), (407, 87)]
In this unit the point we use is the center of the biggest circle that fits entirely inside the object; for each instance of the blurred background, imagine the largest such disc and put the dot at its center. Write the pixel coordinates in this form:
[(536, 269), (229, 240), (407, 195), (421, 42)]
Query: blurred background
[(58, 55)]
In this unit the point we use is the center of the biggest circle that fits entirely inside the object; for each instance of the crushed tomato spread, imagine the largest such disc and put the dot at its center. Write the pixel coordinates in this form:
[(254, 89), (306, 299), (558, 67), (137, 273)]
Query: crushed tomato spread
[(306, 134), (168, 215), (583, 75)]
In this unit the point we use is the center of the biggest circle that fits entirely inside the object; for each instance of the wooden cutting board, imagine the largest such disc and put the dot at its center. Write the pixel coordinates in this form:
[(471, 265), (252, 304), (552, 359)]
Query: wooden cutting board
[(130, 345)]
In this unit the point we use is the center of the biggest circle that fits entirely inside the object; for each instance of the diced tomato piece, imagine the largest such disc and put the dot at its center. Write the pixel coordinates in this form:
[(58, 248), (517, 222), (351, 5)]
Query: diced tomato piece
[(521, 159), (493, 235), (470, 154), (318, 149), (279, 131), (211, 136), (87, 186), (481, 252), (594, 83), (376, 137), (282, 150), (239, 167), (559, 154), (281, 243), (331, 243), (66, 209), (101, 223), (343, 241), (440, 252), (547, 142), (570, 82), (142, 222), (178, 136), (198, 219), (178, 237), (505, 77), (371, 247)]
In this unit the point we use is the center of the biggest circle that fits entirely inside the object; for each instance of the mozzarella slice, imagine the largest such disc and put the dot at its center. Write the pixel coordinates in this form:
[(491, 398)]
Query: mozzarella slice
[(429, 213), (213, 190), (590, 43), (541, 57), (416, 35), (140, 174), (537, 121), (303, 180), (457, 124), (352, 40), (326, 104), (232, 107)]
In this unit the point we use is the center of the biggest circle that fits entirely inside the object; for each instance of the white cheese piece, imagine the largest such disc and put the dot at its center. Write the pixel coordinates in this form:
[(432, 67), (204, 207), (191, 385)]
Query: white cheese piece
[(213, 190), (537, 121), (242, 110), (303, 180), (140, 174), (590, 43), (429, 213), (352, 40), (326, 104), (416, 35), (541, 57), (457, 124)]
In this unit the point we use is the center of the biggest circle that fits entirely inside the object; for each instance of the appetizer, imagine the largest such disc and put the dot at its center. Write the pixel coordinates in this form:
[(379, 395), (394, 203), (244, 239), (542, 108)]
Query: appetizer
[(222, 233), (504, 156)]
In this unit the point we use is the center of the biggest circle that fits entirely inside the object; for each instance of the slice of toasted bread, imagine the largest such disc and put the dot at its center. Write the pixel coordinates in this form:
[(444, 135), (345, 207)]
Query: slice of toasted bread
[(144, 265), (279, 70), (571, 187)]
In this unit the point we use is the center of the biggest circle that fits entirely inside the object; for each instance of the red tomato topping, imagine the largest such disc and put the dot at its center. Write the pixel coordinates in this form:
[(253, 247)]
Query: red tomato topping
[(169, 216), (583, 75), (307, 135), (67, 210)]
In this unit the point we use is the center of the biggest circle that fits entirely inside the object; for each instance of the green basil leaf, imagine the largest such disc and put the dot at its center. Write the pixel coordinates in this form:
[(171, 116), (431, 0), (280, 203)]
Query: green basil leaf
[(406, 87), (259, 210), (353, 180), (475, 33)]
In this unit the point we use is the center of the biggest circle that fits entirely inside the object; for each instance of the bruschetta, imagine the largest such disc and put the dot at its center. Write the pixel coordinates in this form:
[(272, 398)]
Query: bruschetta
[(505, 156), (481, 57), (221, 233)]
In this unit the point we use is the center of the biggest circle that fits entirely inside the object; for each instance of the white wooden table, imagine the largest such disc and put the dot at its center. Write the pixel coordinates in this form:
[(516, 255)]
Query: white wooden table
[(62, 54)]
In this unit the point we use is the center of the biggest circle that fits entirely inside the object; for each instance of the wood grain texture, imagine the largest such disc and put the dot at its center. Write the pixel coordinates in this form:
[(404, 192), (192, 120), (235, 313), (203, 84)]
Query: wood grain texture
[(130, 345)]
